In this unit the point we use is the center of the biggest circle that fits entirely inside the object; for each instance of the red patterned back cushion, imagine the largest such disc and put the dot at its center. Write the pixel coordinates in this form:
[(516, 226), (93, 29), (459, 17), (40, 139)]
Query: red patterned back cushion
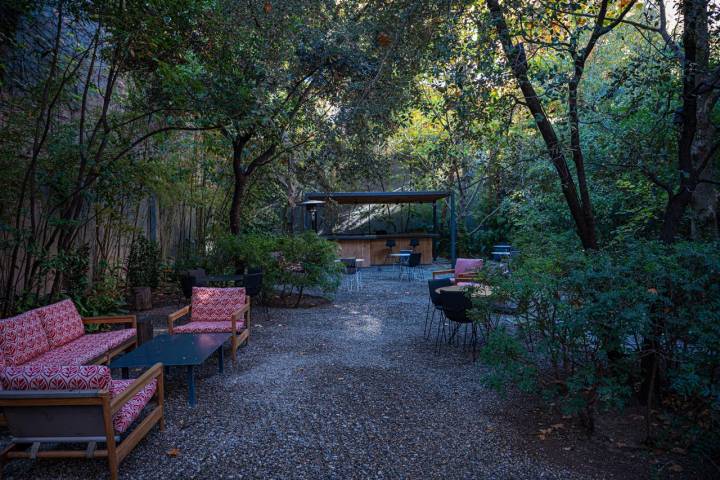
[(467, 265), (216, 304), (62, 323), (22, 338), (38, 377)]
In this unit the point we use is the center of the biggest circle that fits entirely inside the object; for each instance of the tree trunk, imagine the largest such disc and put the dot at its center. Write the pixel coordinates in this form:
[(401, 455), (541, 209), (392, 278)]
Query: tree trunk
[(581, 212), (697, 131), (239, 187)]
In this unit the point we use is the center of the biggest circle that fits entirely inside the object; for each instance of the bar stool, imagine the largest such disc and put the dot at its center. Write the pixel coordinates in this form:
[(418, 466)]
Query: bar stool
[(390, 244)]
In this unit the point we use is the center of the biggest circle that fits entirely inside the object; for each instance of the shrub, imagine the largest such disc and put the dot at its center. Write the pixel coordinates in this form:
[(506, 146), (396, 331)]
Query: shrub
[(597, 330), (293, 263), (317, 258)]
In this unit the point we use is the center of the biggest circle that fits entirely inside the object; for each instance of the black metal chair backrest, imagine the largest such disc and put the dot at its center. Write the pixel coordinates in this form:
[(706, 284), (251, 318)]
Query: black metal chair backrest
[(455, 306), (253, 284), (414, 259), (390, 243), (350, 265), (433, 285), (414, 242)]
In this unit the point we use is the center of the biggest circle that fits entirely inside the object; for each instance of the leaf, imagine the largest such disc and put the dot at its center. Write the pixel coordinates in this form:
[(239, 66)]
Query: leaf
[(173, 452), (676, 468)]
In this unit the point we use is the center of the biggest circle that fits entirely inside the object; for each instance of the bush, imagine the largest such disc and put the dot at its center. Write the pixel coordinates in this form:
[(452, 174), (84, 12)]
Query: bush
[(598, 330), (293, 263), (143, 268), (317, 259)]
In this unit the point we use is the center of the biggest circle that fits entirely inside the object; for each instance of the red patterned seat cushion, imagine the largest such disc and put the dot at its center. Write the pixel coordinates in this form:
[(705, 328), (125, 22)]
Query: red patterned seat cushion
[(216, 304), (208, 327), (127, 414), (114, 338), (85, 349), (62, 323), (41, 377), (22, 338)]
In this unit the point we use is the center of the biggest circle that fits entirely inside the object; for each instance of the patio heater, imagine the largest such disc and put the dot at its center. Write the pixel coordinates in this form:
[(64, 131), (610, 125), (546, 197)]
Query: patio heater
[(311, 207)]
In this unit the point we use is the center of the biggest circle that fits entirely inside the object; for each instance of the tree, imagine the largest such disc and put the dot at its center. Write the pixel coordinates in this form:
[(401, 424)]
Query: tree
[(572, 32), (698, 141)]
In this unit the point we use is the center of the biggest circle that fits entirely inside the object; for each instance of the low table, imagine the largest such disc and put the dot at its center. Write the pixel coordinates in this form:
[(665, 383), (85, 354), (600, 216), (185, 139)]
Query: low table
[(477, 291), (185, 349)]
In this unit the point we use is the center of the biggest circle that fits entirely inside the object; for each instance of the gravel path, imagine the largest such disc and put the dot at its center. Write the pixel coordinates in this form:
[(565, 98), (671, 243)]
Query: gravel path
[(347, 390)]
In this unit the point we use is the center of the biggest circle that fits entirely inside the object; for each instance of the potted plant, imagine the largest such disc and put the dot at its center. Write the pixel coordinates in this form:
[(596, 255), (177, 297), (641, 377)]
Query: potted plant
[(143, 272)]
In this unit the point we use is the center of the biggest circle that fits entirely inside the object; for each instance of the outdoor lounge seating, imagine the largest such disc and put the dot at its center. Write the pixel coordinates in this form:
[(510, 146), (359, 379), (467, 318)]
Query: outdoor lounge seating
[(464, 270), (78, 404), (54, 335), (216, 310)]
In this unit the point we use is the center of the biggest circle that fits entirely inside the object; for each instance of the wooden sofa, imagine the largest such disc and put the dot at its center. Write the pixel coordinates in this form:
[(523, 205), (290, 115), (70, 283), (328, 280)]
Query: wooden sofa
[(78, 404), (55, 335)]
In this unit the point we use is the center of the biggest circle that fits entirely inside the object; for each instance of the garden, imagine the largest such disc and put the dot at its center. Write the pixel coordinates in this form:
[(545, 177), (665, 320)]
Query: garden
[(264, 239)]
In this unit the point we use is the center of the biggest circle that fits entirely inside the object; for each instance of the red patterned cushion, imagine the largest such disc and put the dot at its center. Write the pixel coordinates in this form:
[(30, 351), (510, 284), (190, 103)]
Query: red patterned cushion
[(40, 377), (83, 350), (208, 327), (113, 339), (467, 265), (216, 304), (127, 414), (22, 338), (62, 323)]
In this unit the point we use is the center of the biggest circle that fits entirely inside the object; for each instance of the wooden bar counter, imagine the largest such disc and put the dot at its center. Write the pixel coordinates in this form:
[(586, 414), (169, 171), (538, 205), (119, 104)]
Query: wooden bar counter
[(372, 248)]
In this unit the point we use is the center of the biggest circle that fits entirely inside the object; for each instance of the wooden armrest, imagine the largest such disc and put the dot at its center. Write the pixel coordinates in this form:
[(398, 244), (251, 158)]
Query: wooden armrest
[(466, 276), (175, 315), (442, 272), (240, 312), (111, 320), (154, 372)]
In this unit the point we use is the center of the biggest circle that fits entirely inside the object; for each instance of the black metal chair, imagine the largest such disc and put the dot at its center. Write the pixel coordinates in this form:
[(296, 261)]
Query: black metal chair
[(412, 266), (353, 273), (456, 306), (414, 242), (193, 278), (253, 288), (434, 302), (390, 244)]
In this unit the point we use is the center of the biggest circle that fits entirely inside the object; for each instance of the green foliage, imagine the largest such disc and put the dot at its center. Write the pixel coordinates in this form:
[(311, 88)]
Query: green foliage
[(106, 295), (586, 321), (316, 256), (143, 263), (290, 263)]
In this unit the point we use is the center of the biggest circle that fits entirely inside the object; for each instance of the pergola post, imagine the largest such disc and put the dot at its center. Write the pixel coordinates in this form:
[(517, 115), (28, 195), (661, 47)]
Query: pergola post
[(453, 230), (435, 230), (305, 214)]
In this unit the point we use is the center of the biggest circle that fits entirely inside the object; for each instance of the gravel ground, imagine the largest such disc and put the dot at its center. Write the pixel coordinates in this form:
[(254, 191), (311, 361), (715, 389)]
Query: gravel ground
[(346, 390)]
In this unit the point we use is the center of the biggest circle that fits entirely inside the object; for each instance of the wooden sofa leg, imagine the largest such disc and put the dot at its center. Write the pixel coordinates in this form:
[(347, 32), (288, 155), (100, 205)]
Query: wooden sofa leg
[(235, 345)]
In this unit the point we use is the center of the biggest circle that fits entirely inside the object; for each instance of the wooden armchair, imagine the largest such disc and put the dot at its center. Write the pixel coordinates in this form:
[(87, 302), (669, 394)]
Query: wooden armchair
[(216, 310), (80, 404), (464, 271)]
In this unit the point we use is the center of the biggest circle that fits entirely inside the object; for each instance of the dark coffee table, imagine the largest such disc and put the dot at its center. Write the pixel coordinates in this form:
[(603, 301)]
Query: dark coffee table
[(185, 349)]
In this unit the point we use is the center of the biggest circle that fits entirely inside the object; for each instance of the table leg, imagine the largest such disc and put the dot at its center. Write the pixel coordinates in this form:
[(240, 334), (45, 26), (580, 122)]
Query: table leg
[(221, 359), (191, 385), (125, 373)]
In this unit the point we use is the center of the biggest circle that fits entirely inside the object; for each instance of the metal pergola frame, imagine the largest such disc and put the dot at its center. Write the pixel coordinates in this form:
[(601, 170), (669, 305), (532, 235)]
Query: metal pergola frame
[(367, 198)]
